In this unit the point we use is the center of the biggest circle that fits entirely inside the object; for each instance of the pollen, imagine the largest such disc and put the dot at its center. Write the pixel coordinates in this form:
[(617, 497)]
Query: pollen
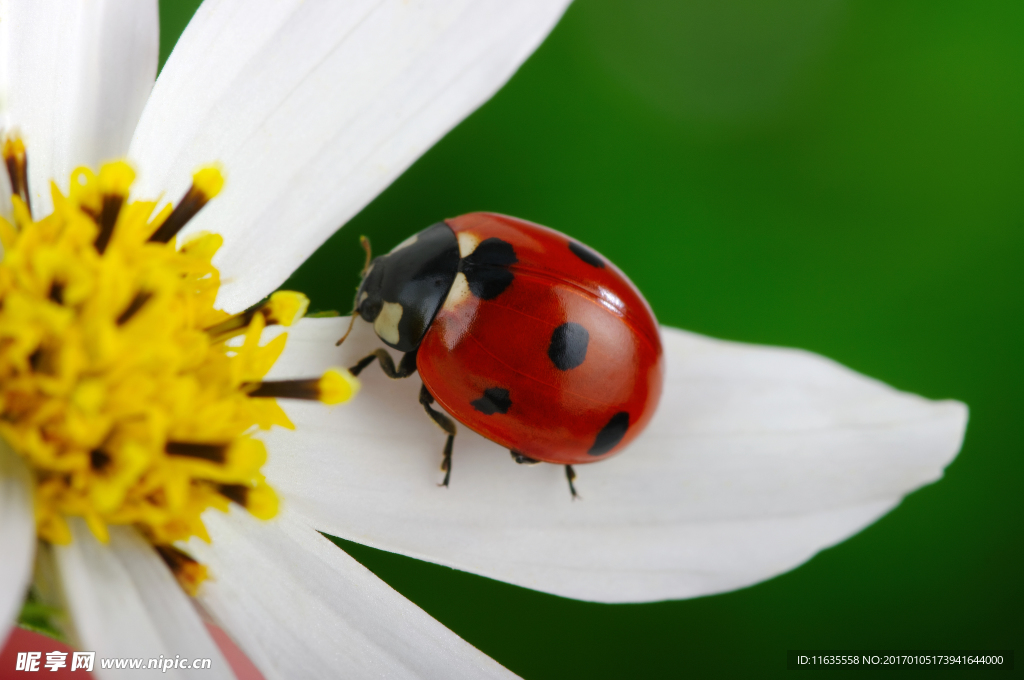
[(337, 386), (133, 400)]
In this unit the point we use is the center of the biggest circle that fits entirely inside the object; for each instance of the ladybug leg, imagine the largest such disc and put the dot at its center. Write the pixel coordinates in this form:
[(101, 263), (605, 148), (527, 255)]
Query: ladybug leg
[(570, 474), (446, 424), (406, 367), (522, 458)]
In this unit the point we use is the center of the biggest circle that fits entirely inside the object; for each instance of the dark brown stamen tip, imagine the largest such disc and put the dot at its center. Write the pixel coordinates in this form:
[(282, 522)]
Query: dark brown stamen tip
[(234, 492), (108, 218), (215, 453), (16, 161), (57, 292), (41, 361), (187, 207), (233, 325), (14, 173), (189, 573), (236, 325), (175, 558), (288, 389), (91, 212), (99, 460), (140, 299)]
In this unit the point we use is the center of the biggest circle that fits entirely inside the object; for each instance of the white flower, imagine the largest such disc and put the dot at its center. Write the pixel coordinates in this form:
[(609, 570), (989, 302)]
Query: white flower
[(312, 108), (757, 459)]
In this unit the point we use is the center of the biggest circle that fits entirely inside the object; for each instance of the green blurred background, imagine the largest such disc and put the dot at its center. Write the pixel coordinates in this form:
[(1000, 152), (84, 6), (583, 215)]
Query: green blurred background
[(846, 177)]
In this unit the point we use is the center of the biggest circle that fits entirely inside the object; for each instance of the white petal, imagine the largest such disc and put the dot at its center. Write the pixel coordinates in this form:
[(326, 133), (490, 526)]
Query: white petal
[(124, 602), (758, 458), (17, 535), (76, 77), (313, 108), (301, 608)]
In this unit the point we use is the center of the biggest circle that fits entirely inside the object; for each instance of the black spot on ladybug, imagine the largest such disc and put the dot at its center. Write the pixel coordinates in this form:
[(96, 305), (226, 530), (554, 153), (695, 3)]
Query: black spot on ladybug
[(586, 254), (486, 268), (568, 346), (495, 400), (611, 434)]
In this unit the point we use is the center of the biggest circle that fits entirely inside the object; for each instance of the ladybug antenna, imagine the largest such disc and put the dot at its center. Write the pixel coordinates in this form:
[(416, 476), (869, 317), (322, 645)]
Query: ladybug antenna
[(352, 322), (365, 243)]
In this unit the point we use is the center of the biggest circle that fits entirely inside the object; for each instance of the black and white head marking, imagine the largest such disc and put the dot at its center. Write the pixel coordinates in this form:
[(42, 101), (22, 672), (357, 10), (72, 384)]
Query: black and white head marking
[(403, 290)]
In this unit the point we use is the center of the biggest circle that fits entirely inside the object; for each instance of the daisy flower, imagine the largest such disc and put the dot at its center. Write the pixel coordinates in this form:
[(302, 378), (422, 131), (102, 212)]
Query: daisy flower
[(133, 363), (757, 459)]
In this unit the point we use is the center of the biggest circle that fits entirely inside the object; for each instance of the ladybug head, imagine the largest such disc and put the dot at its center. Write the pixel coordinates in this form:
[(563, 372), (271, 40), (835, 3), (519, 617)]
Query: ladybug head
[(402, 291)]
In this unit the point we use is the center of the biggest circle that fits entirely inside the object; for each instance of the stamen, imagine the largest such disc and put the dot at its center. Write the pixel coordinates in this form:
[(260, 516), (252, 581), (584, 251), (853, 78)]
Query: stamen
[(206, 184), (114, 348), (99, 459), (308, 390), (57, 292), (115, 180), (16, 160), (337, 385), (215, 453), (189, 573), (140, 299), (234, 492), (108, 218), (41, 361), (260, 500), (282, 308)]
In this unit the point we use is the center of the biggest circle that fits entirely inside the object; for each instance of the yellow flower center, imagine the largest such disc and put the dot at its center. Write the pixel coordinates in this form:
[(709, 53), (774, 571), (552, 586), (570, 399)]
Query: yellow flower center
[(132, 399)]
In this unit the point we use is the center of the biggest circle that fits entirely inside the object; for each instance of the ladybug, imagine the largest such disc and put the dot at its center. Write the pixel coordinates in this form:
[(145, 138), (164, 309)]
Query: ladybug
[(524, 335)]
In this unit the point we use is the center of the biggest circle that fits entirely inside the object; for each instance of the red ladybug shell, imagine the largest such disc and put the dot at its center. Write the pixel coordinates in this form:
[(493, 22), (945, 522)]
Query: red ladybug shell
[(493, 363)]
